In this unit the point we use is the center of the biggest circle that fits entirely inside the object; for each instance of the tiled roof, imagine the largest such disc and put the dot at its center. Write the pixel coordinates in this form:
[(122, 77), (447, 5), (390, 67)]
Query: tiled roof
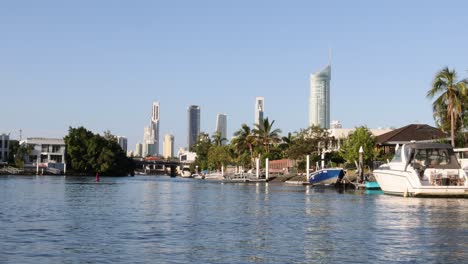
[(417, 132)]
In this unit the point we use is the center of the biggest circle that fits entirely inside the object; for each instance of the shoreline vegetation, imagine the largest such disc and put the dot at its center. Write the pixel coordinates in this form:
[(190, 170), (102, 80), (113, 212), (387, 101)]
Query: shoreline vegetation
[(88, 153)]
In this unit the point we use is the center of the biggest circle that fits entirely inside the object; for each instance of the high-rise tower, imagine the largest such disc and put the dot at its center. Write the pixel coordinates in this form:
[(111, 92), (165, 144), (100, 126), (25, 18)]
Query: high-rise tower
[(151, 133), (193, 125), (221, 126), (319, 102), (168, 148), (259, 109)]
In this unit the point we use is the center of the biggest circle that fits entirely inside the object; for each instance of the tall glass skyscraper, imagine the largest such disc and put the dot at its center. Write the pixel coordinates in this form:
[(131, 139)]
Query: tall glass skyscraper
[(193, 125), (151, 133), (259, 109), (221, 126), (319, 102)]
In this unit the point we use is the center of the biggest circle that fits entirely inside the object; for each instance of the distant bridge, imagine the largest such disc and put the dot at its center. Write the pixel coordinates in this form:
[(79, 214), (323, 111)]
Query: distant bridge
[(155, 165)]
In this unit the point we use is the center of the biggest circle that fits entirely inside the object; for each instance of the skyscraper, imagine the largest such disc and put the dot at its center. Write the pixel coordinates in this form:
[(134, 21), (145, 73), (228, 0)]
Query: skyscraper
[(168, 148), (319, 102), (259, 109), (138, 150), (151, 133), (221, 126), (122, 141), (193, 125)]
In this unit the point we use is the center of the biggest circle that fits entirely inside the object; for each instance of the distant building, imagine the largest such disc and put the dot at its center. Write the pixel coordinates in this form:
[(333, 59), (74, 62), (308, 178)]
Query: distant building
[(413, 132), (168, 148), (4, 148), (48, 152), (151, 133), (259, 109), (186, 156), (122, 142), (138, 150), (339, 135), (193, 125), (221, 126), (319, 101), (336, 124)]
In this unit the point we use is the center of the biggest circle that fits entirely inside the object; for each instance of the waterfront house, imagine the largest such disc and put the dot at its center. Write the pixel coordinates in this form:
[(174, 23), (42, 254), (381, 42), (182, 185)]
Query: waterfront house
[(48, 153), (406, 134)]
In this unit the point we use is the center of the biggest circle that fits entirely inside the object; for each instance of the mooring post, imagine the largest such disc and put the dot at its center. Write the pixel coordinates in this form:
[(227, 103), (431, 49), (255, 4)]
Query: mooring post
[(267, 169), (361, 164), (307, 167), (257, 163)]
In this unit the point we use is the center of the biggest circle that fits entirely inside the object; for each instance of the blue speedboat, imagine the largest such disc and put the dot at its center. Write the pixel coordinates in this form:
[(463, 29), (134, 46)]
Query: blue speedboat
[(372, 185), (326, 176)]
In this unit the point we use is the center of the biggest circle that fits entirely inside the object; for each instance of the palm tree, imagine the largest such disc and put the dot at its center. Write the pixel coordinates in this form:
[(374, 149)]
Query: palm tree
[(244, 140), (218, 139), (266, 135), (451, 94)]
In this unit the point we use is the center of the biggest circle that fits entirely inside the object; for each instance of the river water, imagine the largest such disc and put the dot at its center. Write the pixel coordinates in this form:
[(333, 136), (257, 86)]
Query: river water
[(158, 219)]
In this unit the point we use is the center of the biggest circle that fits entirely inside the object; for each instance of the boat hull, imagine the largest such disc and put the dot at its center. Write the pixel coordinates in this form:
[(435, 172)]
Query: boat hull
[(401, 183), (326, 176)]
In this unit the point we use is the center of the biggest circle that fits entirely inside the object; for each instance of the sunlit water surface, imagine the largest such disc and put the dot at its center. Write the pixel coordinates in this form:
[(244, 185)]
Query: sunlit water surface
[(157, 219)]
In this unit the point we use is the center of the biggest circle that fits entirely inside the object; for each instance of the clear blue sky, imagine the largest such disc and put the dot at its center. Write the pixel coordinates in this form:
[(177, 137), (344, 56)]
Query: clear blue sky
[(100, 64)]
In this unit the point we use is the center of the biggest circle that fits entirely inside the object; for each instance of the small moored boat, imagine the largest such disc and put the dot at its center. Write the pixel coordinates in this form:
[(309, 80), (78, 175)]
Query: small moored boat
[(326, 176)]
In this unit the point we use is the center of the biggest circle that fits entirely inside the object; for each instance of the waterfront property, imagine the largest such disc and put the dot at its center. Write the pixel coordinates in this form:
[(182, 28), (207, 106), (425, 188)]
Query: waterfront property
[(46, 153), (404, 135)]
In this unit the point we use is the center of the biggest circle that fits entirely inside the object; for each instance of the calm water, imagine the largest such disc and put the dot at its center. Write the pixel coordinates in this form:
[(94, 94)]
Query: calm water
[(172, 220)]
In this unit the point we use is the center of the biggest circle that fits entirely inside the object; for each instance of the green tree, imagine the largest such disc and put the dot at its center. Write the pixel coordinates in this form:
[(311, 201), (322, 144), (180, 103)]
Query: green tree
[(243, 143), (309, 141), (90, 153), (265, 135), (451, 95), (218, 156), (218, 140), (202, 148), (360, 137)]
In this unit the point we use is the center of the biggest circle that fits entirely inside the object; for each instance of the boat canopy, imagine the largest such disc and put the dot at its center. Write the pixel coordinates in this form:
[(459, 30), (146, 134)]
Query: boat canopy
[(432, 155)]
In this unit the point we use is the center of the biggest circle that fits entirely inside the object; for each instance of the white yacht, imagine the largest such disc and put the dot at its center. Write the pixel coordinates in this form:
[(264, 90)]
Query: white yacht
[(423, 169), (462, 156), (185, 172)]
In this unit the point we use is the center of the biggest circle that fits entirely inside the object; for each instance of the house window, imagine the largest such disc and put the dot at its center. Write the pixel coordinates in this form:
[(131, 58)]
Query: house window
[(55, 148), (45, 148)]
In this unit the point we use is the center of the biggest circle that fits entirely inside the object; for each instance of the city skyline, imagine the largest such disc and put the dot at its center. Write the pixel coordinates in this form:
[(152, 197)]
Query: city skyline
[(100, 65)]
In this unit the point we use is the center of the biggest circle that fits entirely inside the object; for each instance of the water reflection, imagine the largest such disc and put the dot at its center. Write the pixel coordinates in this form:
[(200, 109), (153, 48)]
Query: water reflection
[(173, 220)]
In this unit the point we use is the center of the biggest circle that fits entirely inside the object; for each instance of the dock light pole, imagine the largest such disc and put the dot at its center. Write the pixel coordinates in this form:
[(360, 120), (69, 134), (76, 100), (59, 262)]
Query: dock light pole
[(267, 169), (361, 164), (307, 167), (322, 157), (257, 163)]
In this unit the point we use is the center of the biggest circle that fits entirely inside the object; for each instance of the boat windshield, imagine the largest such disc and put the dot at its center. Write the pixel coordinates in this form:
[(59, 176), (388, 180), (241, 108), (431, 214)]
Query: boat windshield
[(438, 158)]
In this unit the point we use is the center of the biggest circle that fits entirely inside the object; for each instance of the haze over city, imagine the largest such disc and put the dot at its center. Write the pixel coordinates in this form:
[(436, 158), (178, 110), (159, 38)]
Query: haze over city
[(101, 64)]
